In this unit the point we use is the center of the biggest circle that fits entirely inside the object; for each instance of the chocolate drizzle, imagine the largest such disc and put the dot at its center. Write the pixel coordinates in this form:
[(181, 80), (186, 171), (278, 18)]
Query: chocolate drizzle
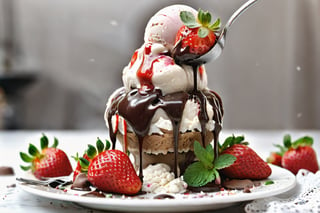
[(138, 106)]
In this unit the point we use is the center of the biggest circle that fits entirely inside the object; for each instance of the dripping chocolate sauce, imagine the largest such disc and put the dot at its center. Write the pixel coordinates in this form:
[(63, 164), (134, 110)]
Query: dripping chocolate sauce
[(138, 107)]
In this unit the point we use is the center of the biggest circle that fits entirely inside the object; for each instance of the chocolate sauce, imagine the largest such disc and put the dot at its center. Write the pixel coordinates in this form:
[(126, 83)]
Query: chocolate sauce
[(81, 183), (94, 194), (163, 196), (138, 106), (210, 187)]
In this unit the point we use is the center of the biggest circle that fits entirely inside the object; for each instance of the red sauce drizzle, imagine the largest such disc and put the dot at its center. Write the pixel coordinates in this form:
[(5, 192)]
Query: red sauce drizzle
[(145, 71), (134, 58), (117, 124)]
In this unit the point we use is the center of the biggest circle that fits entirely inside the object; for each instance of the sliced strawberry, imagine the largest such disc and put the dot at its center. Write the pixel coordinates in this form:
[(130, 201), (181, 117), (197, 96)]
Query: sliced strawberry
[(50, 162)]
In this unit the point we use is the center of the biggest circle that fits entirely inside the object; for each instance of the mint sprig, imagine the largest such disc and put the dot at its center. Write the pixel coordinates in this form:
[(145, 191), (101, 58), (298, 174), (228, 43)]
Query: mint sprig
[(205, 170)]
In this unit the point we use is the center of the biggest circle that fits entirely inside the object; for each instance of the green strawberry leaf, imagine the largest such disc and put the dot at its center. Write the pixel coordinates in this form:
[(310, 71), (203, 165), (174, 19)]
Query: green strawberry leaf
[(197, 175), (108, 145), (91, 151), (84, 163), (204, 17), (216, 25), (203, 32), (281, 148), (204, 156), (55, 143), (287, 141), (224, 161), (44, 142), (25, 168), (188, 19), (33, 150), (231, 140), (100, 145), (26, 158), (304, 141)]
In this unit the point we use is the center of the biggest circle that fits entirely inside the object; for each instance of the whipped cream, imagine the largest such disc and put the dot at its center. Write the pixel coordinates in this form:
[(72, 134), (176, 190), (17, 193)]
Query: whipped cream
[(158, 179)]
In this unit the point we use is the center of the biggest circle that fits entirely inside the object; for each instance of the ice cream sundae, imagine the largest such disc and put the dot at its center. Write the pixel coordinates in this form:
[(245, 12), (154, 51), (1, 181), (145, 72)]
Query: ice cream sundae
[(165, 104)]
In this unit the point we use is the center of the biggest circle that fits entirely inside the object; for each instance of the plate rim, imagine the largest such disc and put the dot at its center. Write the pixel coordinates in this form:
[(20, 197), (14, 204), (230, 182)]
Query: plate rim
[(119, 203)]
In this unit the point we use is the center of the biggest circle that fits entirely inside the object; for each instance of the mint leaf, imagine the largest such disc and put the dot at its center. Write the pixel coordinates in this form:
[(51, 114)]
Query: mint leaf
[(197, 175), (224, 161), (188, 19), (268, 182), (205, 157)]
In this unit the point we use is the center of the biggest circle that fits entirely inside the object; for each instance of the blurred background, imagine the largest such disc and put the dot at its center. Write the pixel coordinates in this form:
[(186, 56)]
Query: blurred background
[(60, 60)]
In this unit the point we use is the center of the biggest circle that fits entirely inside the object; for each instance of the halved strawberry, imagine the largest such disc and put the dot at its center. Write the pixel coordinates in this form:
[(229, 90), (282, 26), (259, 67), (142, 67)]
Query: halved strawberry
[(49, 162)]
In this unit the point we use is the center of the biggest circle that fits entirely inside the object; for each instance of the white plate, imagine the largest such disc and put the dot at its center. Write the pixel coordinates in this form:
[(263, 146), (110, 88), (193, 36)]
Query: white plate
[(283, 181)]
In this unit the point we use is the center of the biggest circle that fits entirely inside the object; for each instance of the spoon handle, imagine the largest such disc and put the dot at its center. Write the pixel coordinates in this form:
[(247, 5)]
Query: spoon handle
[(238, 12)]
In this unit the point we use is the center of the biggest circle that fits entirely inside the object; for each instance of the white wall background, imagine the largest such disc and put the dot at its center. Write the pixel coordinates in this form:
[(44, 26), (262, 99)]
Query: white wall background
[(268, 75)]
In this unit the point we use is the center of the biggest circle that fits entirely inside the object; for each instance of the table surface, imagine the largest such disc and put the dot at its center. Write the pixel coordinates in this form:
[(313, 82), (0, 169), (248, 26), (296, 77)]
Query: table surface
[(12, 142)]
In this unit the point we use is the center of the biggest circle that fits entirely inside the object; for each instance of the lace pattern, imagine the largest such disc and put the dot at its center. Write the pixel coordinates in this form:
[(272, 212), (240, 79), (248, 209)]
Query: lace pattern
[(305, 197)]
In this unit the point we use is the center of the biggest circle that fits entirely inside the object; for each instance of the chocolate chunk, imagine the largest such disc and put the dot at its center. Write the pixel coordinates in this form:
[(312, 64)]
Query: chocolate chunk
[(163, 196), (5, 170), (238, 184), (81, 183)]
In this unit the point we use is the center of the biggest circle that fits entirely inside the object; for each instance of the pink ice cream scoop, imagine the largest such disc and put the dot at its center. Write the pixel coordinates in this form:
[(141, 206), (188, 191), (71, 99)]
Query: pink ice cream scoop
[(164, 25)]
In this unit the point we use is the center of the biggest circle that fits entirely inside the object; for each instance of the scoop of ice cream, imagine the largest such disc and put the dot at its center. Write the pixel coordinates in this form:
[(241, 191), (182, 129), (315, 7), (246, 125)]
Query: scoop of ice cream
[(164, 25), (152, 67)]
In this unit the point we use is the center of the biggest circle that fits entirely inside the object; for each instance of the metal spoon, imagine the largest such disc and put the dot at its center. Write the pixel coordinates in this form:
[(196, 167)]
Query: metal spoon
[(216, 50), (52, 182)]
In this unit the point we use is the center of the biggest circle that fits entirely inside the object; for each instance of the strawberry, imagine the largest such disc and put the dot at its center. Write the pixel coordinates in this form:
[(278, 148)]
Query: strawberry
[(84, 161), (79, 169), (50, 162), (248, 164), (299, 155), (112, 171), (197, 36), (274, 158)]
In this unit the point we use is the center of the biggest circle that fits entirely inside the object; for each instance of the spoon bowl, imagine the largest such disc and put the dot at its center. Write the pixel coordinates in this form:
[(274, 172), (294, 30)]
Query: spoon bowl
[(217, 48)]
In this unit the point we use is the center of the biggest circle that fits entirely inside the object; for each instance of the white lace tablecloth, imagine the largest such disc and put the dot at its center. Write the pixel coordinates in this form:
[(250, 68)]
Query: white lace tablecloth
[(305, 197)]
